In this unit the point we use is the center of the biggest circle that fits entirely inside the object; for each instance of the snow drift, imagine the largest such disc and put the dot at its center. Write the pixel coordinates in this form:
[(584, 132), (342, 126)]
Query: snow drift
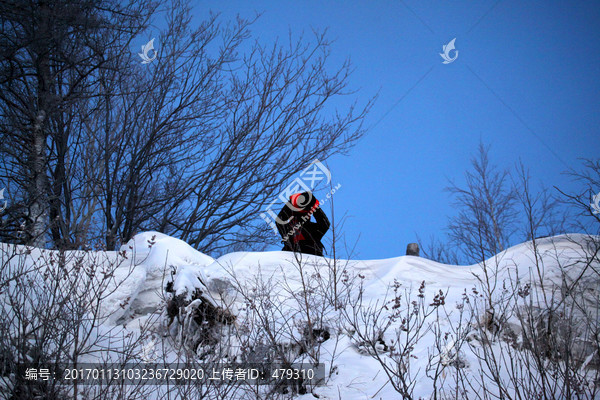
[(355, 316)]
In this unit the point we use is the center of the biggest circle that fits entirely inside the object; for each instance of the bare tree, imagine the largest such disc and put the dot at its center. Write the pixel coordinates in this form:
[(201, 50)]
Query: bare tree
[(540, 208), (536, 335), (486, 210), (492, 203), (583, 201), (192, 144), (215, 135), (51, 52)]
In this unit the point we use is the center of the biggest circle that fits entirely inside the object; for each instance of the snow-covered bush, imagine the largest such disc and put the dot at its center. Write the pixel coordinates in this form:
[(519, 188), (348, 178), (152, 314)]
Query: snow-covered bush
[(404, 326), (544, 342), (55, 309)]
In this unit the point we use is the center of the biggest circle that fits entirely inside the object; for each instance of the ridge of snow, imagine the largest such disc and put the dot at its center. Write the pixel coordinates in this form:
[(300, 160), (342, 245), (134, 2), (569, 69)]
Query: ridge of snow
[(152, 259)]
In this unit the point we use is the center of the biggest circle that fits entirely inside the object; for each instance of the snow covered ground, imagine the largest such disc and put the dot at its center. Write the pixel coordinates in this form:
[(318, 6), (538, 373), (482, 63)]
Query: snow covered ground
[(369, 308)]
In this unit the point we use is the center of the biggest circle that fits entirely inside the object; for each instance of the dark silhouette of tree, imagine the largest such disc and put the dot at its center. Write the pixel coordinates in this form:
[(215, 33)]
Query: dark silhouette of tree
[(192, 144), (52, 53), (486, 207), (495, 208)]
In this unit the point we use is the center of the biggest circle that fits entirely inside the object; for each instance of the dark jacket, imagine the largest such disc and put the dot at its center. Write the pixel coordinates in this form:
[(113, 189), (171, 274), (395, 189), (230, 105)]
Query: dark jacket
[(299, 233)]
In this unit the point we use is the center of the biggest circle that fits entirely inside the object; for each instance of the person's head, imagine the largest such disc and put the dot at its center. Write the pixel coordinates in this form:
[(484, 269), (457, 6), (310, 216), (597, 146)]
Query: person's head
[(303, 202)]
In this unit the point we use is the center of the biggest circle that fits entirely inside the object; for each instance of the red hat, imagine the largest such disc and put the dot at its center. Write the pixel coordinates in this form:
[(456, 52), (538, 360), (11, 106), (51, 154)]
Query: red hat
[(299, 202)]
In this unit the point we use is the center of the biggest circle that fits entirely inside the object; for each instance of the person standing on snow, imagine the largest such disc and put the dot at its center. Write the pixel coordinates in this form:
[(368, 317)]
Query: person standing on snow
[(298, 232)]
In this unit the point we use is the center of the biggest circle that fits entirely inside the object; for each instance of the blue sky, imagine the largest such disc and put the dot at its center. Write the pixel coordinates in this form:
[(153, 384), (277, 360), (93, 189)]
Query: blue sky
[(526, 82)]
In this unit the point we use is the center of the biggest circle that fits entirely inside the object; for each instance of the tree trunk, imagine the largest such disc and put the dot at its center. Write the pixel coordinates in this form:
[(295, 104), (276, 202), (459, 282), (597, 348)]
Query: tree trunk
[(38, 200)]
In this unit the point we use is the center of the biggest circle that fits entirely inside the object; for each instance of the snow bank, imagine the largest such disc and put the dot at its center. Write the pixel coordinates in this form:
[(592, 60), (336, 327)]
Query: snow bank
[(154, 258), (151, 259), (560, 260)]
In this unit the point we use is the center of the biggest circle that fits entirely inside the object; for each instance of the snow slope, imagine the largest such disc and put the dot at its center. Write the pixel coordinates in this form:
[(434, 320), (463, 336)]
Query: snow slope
[(152, 259)]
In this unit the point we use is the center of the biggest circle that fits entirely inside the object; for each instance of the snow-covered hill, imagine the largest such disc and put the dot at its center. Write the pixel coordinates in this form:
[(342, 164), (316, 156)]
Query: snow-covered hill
[(381, 327)]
